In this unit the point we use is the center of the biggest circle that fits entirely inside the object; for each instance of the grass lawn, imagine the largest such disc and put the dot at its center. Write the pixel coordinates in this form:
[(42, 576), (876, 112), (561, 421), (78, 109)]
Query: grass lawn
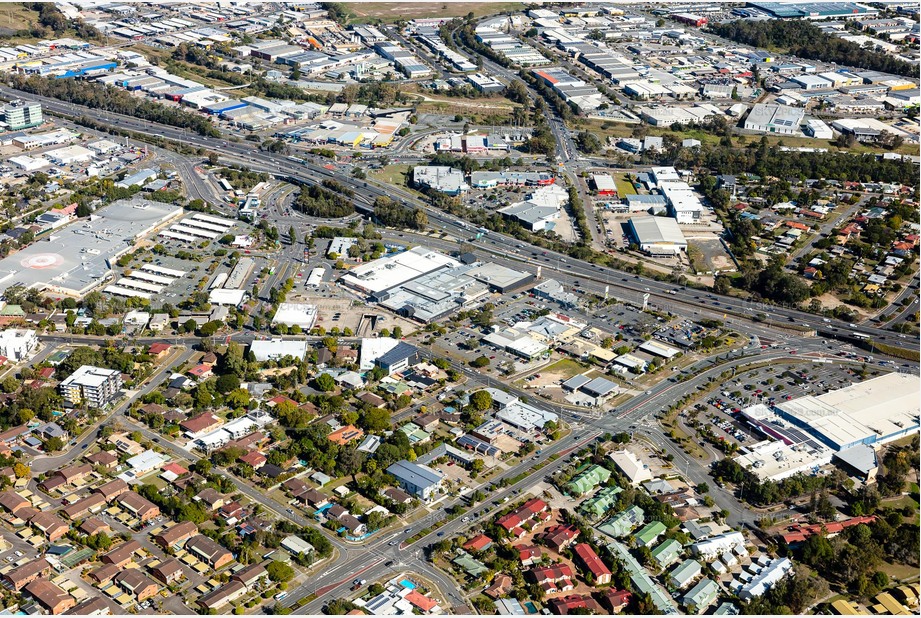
[(395, 174), (565, 368), (624, 186), (395, 11)]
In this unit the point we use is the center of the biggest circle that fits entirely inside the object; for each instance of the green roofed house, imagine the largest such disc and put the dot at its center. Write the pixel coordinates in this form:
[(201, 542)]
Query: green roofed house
[(588, 479), (415, 434), (641, 580), (601, 502), (648, 535), (684, 574), (473, 567), (701, 596), (623, 523), (667, 553)]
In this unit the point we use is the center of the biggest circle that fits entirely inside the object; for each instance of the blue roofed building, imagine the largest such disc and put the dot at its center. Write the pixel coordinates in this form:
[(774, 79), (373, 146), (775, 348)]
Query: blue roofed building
[(419, 480)]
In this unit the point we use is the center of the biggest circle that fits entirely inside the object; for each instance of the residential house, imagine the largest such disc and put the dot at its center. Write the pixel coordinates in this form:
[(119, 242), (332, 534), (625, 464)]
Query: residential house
[(18, 577), (251, 575), (123, 554), (480, 542), (112, 490), (615, 601), (168, 572), (534, 510), (228, 593), (701, 596), (93, 503), (529, 554), (553, 578), (139, 506), (49, 596), (586, 557), (177, 535), (208, 551), (138, 585), (562, 606), (684, 574), (560, 537), (50, 525), (649, 534), (92, 526), (104, 459), (501, 586)]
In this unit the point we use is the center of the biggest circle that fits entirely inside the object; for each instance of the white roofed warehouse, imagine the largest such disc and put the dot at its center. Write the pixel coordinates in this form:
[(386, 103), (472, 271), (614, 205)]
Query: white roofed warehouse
[(658, 235), (769, 118)]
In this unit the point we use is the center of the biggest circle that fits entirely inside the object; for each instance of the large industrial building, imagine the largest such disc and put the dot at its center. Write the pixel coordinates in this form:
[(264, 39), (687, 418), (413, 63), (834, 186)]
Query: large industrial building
[(658, 235), (77, 258), (770, 118), (809, 432), (876, 411), (426, 285)]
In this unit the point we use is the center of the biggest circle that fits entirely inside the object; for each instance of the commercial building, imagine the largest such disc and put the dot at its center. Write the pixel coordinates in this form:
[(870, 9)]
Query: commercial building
[(771, 118), (540, 209), (875, 411), (275, 349), (95, 386), (79, 256), (296, 314), (657, 235), (419, 480), (17, 343), (440, 178), (19, 115)]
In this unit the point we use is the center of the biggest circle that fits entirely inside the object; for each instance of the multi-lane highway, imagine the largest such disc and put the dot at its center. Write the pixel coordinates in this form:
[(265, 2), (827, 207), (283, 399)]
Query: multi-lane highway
[(366, 192)]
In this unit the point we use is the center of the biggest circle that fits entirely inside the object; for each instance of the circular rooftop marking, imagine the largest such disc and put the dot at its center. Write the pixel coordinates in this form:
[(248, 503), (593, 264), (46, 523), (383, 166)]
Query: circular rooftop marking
[(43, 260)]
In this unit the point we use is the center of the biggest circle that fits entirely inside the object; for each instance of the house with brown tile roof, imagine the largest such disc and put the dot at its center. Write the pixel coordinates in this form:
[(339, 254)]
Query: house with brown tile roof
[(208, 551), (18, 577), (93, 525), (560, 537), (112, 489), (12, 501), (210, 498), (168, 571), (74, 475), (93, 503), (139, 506), (501, 585), (249, 576), (123, 554), (104, 459), (52, 526), (49, 596), (138, 585), (104, 574), (254, 459), (204, 422), (176, 535), (228, 593), (93, 606), (397, 495)]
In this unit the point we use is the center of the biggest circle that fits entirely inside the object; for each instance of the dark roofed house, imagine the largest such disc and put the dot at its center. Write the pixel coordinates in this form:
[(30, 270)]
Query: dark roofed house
[(49, 524), (271, 471), (138, 585), (210, 498), (12, 501), (91, 504), (93, 606), (397, 495), (102, 458), (560, 537), (209, 551), (139, 506), (94, 525), (250, 576), (562, 606)]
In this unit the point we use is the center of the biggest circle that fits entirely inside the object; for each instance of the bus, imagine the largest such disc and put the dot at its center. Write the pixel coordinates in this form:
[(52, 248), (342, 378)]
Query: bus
[(860, 336)]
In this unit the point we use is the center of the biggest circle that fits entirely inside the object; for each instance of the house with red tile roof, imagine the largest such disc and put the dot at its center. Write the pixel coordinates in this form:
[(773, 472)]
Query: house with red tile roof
[(420, 601), (159, 350), (201, 372), (254, 459), (796, 225), (586, 558), (560, 537), (553, 578), (797, 533), (562, 606), (480, 542), (344, 435), (615, 601), (532, 510), (529, 554), (204, 422)]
